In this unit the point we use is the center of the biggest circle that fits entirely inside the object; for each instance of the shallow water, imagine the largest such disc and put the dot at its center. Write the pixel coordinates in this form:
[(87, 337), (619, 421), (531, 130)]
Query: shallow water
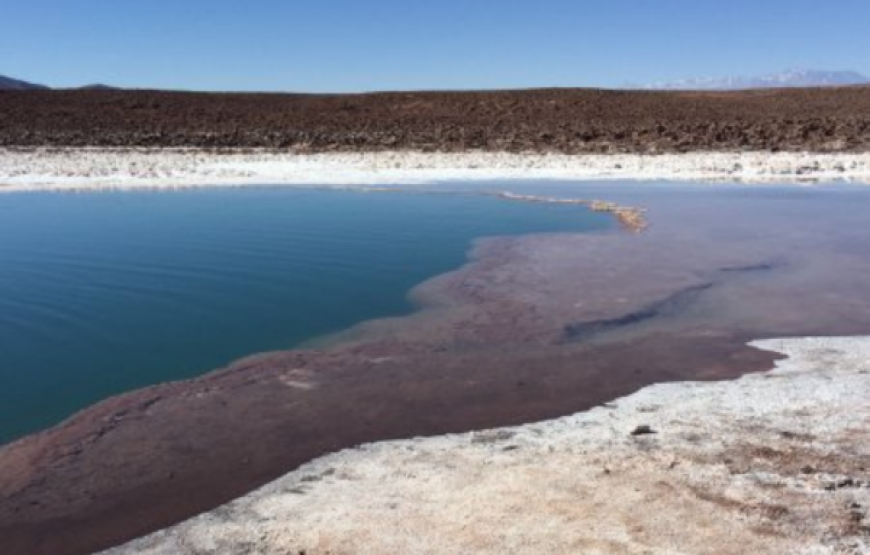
[(105, 292), (540, 327), (774, 260)]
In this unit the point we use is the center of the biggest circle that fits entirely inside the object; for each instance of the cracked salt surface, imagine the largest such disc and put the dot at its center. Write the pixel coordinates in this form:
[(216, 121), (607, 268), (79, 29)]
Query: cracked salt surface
[(770, 463)]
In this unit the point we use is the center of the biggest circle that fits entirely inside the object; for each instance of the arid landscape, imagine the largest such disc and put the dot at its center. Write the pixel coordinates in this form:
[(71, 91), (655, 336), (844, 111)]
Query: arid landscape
[(332, 277), (546, 120)]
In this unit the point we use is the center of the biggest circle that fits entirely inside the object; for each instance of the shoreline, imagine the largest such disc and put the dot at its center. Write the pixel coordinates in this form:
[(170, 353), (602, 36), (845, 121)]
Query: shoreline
[(499, 347), (763, 463), (84, 169), (630, 218), (490, 346)]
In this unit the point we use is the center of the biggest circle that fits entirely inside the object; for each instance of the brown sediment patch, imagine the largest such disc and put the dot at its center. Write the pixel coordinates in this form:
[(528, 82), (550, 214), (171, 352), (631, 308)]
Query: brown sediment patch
[(629, 217), (489, 350)]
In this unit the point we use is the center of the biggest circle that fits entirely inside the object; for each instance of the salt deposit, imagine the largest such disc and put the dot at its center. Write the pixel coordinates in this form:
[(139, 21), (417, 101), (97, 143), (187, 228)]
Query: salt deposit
[(78, 169), (770, 463)]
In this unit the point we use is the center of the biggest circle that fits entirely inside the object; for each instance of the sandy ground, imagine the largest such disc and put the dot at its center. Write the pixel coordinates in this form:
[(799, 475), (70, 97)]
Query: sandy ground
[(86, 169), (770, 463)]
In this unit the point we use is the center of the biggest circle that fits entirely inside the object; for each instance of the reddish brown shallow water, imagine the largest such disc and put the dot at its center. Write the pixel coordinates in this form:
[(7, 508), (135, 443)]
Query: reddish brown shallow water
[(532, 328)]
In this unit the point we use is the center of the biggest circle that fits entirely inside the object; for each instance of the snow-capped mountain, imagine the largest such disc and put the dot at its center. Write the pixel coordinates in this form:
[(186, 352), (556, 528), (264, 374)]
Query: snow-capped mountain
[(791, 78)]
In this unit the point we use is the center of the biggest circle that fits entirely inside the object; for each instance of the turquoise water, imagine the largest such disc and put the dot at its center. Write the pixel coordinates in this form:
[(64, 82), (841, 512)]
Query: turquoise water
[(105, 292)]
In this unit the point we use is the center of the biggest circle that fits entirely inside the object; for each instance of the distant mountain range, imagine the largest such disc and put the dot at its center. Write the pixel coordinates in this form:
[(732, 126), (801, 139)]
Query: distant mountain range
[(786, 79), (10, 84)]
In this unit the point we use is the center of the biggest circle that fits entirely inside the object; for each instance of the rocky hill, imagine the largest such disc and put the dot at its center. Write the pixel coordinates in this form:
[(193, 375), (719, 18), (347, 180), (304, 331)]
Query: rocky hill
[(10, 84)]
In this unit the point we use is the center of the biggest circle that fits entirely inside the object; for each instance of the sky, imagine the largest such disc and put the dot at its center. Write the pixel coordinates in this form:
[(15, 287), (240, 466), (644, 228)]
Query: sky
[(365, 45)]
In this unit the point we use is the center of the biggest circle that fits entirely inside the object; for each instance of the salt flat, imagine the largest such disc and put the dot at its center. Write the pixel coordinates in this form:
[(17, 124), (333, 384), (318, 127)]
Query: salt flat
[(98, 168)]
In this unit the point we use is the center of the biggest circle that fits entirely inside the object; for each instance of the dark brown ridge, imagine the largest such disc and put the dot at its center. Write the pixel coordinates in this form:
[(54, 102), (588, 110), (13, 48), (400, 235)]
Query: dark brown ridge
[(558, 120)]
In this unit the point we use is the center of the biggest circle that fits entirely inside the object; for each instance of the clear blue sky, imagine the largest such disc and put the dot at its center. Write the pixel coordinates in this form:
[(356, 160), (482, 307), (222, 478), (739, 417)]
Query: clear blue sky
[(354, 45)]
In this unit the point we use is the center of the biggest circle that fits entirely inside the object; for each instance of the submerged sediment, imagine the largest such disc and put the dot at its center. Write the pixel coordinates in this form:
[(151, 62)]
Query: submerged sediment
[(770, 463)]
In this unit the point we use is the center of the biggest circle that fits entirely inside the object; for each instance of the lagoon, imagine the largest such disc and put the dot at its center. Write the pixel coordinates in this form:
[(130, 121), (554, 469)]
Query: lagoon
[(105, 292)]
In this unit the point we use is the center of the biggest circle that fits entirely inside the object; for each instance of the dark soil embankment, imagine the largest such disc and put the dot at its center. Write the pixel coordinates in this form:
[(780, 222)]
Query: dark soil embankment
[(559, 120)]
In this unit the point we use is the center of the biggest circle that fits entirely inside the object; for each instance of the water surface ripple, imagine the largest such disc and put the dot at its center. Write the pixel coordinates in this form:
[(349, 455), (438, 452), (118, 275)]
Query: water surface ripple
[(105, 292)]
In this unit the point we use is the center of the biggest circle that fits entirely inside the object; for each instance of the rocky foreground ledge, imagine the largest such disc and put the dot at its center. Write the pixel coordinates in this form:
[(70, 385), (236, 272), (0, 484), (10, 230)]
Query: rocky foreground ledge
[(770, 463)]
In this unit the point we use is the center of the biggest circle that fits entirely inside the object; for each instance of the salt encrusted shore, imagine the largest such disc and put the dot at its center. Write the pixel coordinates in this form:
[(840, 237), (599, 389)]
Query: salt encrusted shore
[(94, 168), (770, 463)]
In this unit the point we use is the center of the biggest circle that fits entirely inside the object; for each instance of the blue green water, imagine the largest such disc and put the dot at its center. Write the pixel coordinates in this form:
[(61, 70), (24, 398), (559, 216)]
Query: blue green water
[(105, 292)]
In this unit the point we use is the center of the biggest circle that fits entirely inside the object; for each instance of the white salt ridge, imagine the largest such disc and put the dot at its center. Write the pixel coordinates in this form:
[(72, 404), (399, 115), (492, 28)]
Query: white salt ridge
[(89, 168), (770, 463)]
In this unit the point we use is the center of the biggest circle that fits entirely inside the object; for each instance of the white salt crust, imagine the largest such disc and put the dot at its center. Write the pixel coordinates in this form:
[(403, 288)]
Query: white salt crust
[(770, 463), (89, 168)]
